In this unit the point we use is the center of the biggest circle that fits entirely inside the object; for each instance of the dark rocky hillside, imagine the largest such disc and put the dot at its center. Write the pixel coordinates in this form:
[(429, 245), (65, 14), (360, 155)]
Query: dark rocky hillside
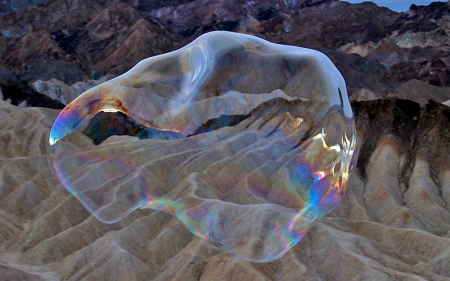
[(377, 50)]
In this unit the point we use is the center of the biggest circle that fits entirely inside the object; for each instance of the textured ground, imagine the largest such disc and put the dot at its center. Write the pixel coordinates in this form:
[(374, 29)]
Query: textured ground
[(393, 224)]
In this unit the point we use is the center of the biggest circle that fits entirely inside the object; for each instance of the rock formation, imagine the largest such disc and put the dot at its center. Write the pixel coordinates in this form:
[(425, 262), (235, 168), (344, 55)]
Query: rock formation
[(376, 49), (393, 223), (64, 93)]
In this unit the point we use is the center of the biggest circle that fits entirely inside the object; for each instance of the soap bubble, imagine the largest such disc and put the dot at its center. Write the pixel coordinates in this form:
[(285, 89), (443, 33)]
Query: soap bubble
[(248, 143)]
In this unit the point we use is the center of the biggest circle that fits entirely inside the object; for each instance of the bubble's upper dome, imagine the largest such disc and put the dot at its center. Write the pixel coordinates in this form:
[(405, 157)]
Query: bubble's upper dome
[(246, 142)]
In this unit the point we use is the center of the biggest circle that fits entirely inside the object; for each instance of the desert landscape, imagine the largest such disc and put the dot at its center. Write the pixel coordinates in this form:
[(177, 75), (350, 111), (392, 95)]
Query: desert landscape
[(392, 224)]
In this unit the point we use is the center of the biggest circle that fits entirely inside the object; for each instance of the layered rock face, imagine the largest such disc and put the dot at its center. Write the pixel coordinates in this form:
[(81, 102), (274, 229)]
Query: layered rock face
[(7, 6), (393, 223), (377, 49)]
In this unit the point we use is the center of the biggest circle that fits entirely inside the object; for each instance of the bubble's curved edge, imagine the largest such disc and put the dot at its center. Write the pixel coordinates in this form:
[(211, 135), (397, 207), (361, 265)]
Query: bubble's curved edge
[(183, 218), (74, 115)]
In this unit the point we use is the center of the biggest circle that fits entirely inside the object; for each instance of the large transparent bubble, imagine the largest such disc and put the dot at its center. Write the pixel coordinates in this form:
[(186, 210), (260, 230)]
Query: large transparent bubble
[(248, 143)]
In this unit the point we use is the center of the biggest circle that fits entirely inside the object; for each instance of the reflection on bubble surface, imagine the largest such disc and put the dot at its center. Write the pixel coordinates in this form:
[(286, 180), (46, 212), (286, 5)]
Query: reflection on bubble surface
[(248, 143)]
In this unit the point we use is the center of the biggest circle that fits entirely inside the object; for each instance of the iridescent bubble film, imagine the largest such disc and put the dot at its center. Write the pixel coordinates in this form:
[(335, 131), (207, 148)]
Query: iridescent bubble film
[(248, 143)]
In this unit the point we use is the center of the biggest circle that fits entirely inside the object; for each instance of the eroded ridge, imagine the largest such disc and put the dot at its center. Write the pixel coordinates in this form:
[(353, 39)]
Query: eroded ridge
[(246, 142)]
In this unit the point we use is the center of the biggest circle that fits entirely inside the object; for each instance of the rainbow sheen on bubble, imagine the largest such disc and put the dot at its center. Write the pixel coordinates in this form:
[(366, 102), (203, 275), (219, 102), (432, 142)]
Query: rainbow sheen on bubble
[(248, 143)]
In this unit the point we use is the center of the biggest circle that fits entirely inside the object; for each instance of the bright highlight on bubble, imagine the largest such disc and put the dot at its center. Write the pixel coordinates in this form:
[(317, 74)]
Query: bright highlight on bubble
[(248, 143)]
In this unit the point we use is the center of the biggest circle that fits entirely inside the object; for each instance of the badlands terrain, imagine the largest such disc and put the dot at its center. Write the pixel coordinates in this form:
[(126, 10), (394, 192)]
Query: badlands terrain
[(394, 221)]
